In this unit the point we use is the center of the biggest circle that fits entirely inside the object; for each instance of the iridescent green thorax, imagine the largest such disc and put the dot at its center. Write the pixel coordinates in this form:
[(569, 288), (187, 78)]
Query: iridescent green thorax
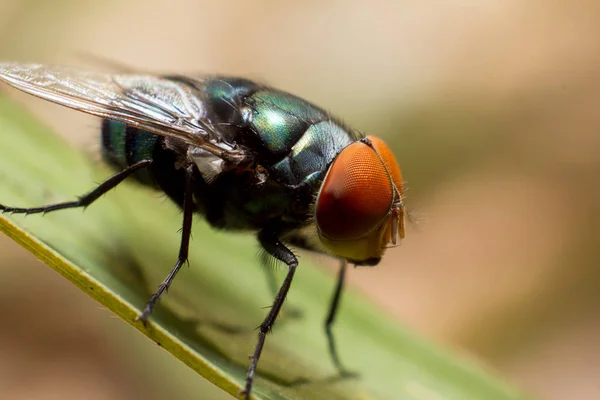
[(281, 119), (310, 156), (300, 137)]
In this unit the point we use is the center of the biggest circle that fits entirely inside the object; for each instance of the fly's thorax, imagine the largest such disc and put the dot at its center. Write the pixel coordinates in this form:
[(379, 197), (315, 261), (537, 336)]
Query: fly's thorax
[(359, 209), (307, 161), (226, 105), (295, 140), (280, 119), (298, 174)]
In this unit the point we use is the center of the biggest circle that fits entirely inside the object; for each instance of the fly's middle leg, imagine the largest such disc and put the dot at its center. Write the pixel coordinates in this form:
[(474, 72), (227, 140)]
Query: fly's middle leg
[(186, 232), (289, 311), (271, 243)]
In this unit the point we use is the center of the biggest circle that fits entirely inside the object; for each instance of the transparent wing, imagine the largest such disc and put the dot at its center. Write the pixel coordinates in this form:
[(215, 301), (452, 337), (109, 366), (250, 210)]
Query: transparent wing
[(159, 105)]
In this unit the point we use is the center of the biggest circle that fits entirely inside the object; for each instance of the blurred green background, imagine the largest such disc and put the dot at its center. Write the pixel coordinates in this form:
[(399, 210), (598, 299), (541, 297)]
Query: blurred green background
[(491, 109)]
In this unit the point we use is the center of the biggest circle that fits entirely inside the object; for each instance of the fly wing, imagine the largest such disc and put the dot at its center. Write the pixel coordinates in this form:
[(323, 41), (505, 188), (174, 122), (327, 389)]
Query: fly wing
[(152, 103)]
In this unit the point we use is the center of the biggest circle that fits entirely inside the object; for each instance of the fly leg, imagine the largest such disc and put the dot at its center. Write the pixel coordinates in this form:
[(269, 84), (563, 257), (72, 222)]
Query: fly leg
[(269, 269), (301, 242), (333, 309), (186, 232), (86, 199), (271, 243)]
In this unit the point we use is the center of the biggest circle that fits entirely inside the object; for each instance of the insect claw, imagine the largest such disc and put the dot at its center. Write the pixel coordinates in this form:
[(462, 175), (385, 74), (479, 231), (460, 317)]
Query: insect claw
[(143, 318), (243, 394)]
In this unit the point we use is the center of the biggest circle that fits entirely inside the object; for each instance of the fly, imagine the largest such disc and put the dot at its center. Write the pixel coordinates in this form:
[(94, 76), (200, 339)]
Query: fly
[(247, 157)]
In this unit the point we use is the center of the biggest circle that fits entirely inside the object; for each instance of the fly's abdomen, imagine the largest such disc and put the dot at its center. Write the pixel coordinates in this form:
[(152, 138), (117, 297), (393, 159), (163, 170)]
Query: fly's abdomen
[(123, 146)]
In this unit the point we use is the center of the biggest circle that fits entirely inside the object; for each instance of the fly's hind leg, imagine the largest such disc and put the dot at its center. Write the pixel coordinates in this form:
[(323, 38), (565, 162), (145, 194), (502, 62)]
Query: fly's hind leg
[(86, 199)]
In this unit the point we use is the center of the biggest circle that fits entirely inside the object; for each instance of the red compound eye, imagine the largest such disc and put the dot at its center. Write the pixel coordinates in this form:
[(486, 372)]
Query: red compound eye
[(356, 194), (390, 161), (355, 210)]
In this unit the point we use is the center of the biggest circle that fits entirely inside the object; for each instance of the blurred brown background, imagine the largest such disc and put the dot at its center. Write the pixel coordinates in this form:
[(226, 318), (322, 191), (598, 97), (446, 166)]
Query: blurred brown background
[(492, 109)]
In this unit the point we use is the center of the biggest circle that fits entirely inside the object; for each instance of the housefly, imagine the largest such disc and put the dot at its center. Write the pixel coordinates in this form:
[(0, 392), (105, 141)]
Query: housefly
[(247, 157)]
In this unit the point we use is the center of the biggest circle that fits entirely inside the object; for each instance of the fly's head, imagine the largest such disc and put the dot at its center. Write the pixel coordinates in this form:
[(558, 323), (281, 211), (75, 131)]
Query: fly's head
[(359, 209)]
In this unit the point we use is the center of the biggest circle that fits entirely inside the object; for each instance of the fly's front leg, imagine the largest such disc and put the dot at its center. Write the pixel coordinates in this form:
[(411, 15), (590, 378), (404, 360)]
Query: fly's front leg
[(270, 242), (333, 309), (86, 199), (302, 242), (186, 232)]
